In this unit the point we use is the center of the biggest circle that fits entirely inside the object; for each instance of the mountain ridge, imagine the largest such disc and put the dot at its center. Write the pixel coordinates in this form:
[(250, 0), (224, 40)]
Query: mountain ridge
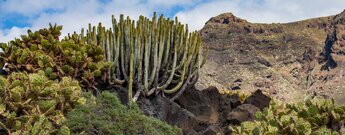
[(278, 58)]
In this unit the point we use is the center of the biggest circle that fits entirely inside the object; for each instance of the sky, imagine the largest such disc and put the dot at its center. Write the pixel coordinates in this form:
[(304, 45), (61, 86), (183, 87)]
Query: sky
[(17, 16)]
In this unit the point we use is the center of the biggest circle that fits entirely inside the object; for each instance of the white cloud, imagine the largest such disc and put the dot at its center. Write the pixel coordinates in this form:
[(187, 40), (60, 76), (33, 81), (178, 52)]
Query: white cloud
[(12, 33), (171, 3), (75, 14), (30, 7)]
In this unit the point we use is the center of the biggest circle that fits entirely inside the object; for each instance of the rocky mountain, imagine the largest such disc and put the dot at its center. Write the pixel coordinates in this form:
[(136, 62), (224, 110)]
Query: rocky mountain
[(328, 77), (289, 61)]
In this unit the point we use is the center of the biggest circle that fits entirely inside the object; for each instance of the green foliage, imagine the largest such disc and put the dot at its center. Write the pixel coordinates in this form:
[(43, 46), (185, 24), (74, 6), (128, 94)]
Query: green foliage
[(42, 50), (310, 117), (157, 55), (105, 114), (33, 104)]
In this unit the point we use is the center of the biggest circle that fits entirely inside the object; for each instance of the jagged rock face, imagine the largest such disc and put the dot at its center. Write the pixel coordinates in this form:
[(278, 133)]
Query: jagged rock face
[(328, 78), (276, 58), (334, 51), (244, 112)]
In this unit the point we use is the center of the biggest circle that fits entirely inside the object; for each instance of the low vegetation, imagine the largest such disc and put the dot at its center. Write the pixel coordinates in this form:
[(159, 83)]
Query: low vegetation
[(42, 50), (316, 116), (105, 115), (33, 104)]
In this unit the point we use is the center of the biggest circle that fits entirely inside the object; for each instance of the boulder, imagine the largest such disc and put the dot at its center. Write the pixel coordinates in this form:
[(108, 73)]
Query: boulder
[(213, 130), (181, 118), (203, 104), (258, 99), (227, 104), (244, 112), (166, 110), (204, 112)]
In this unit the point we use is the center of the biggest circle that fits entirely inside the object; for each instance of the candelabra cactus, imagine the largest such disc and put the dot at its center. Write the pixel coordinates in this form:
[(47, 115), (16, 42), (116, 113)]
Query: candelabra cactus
[(158, 55)]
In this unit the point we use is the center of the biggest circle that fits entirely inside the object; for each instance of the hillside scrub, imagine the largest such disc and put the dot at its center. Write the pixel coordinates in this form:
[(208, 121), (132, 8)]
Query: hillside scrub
[(104, 114), (314, 116), (33, 104)]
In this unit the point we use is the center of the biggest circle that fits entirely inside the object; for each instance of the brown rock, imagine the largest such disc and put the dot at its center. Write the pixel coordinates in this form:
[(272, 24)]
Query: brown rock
[(225, 18), (245, 112), (213, 130), (203, 104), (258, 99), (236, 86), (181, 118), (163, 109), (241, 49)]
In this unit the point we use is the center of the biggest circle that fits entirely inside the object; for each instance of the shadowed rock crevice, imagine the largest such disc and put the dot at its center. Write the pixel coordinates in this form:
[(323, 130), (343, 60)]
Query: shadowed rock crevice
[(205, 112), (328, 78)]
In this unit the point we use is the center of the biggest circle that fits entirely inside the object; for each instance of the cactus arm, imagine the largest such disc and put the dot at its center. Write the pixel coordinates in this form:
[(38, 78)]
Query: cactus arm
[(172, 72), (117, 74), (166, 54), (178, 86), (146, 58), (191, 53), (131, 73), (82, 33), (90, 35), (140, 58), (183, 60), (182, 78), (155, 50), (183, 88), (160, 52), (123, 43), (168, 39), (94, 35), (162, 41), (110, 54)]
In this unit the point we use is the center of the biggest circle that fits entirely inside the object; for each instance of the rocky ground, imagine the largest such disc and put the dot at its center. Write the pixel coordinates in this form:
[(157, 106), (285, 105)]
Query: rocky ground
[(205, 112), (287, 61)]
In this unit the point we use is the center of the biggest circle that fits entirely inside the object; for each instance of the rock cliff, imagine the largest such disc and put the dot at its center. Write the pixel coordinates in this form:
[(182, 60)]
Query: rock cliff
[(277, 58)]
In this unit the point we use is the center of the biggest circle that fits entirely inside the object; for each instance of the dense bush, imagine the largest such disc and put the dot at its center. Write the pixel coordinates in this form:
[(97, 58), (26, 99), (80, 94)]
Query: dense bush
[(33, 104), (106, 115), (42, 50), (315, 116)]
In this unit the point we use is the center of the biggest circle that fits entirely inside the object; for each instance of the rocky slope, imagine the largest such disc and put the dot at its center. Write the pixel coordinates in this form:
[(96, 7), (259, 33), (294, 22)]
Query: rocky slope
[(328, 77), (283, 60)]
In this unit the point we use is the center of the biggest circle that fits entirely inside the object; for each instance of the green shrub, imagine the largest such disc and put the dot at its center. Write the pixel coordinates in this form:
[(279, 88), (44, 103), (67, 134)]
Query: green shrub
[(33, 104), (106, 115), (42, 50), (310, 117)]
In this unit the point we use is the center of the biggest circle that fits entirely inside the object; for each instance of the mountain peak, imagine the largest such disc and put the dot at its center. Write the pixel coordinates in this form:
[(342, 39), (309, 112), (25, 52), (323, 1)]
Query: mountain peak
[(340, 18), (226, 18)]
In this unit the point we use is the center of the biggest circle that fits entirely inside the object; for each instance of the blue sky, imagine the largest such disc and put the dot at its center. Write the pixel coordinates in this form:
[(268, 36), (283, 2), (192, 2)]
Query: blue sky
[(17, 16)]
